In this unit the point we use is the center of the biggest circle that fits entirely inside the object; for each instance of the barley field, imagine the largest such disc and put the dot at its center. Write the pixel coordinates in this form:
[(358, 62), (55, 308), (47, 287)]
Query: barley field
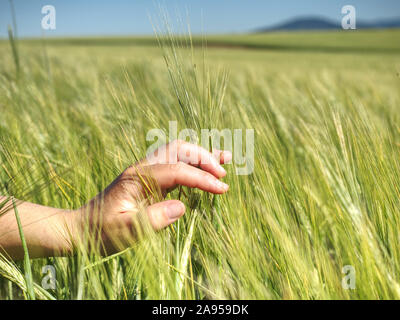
[(324, 195)]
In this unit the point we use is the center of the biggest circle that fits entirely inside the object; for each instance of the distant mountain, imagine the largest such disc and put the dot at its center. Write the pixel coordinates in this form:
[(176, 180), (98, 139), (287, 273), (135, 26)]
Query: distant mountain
[(390, 23), (320, 23)]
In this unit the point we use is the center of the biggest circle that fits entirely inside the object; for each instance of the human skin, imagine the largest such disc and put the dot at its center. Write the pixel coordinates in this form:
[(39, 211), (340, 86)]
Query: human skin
[(114, 218)]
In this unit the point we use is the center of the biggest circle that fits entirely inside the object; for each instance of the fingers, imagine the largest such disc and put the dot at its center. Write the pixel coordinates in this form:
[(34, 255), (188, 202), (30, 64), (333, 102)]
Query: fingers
[(170, 175), (198, 156), (176, 164), (133, 224), (193, 155), (123, 229), (162, 214), (223, 156)]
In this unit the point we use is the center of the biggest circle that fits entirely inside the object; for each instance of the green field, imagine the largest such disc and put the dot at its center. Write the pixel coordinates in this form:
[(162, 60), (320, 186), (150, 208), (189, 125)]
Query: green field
[(325, 191)]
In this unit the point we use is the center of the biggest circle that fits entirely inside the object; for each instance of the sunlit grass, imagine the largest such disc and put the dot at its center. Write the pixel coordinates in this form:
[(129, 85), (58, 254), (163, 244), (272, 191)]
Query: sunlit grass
[(325, 191)]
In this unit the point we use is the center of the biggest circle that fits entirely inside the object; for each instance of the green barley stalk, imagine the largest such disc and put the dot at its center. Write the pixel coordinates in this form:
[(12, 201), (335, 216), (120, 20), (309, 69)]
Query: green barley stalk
[(200, 99), (14, 50), (27, 263)]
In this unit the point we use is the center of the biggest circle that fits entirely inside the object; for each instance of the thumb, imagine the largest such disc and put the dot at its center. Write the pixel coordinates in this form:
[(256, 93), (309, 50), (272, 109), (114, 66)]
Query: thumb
[(162, 214)]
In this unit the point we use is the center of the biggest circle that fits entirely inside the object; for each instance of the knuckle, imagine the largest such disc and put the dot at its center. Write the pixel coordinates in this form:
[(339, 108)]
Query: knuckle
[(205, 175), (130, 171), (180, 165), (176, 167)]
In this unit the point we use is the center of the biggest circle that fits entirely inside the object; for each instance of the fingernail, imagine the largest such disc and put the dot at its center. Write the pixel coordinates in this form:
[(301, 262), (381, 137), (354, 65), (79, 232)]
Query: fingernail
[(227, 153), (174, 210), (221, 169), (220, 185), (227, 156)]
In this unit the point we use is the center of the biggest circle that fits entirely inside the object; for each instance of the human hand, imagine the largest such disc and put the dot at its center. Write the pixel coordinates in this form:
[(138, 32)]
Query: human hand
[(134, 197)]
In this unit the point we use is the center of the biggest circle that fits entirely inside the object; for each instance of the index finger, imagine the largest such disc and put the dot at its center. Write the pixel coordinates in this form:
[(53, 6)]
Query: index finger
[(168, 176), (191, 154)]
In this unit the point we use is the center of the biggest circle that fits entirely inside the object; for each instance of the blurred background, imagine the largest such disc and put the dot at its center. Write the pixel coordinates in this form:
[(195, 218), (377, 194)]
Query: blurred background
[(123, 17)]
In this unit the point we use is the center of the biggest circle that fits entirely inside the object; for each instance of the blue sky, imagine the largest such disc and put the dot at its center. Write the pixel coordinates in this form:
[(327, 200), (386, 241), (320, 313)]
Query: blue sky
[(123, 17)]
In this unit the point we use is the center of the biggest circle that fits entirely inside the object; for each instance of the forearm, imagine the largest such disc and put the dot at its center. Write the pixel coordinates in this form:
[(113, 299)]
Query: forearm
[(46, 231)]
